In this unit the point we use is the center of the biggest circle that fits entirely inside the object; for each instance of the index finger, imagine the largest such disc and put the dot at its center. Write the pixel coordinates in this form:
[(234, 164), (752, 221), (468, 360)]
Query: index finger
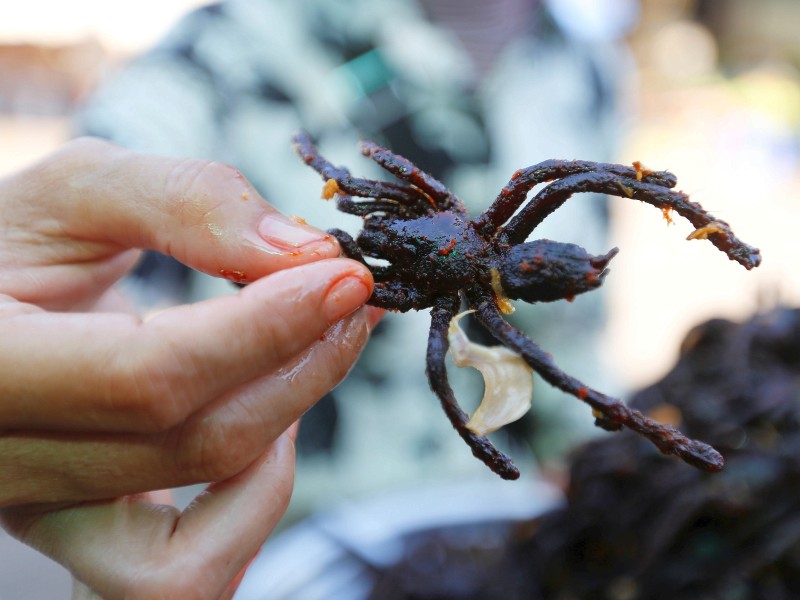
[(203, 213), (110, 372)]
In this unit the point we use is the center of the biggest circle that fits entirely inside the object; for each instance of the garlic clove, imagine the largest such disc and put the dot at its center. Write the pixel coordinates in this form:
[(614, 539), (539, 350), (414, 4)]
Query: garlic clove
[(507, 378)]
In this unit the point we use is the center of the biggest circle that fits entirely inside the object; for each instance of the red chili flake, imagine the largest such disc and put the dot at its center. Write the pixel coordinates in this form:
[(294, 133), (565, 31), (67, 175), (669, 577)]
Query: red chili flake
[(233, 275), (448, 249)]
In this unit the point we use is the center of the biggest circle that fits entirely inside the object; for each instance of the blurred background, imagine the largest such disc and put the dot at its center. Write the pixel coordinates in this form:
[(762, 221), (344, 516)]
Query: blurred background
[(709, 90)]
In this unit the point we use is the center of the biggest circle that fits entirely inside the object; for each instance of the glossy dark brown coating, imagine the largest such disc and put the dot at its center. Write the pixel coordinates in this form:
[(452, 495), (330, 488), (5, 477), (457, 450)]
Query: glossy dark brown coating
[(437, 256)]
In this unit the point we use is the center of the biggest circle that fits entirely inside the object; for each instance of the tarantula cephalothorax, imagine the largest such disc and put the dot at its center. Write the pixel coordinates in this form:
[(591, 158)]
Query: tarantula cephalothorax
[(438, 257)]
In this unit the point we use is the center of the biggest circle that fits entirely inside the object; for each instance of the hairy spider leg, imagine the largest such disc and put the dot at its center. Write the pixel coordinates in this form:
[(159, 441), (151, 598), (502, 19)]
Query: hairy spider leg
[(554, 195), (523, 181), (400, 192), (399, 297), (348, 246), (346, 204), (441, 314), (613, 412), (351, 249), (439, 196)]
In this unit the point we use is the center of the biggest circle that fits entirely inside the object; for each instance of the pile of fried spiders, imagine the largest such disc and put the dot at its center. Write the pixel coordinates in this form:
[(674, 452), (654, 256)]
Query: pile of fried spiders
[(433, 255)]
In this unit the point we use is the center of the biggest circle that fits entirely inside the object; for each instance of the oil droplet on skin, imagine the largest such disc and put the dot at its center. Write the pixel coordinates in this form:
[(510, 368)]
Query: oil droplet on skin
[(216, 230), (291, 373)]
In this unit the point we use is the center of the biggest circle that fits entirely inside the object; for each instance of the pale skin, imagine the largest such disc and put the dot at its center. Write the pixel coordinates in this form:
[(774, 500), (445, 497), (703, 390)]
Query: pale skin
[(99, 408)]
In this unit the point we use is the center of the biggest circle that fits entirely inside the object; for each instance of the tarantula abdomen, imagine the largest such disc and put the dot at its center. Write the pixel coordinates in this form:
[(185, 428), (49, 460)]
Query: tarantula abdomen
[(544, 271)]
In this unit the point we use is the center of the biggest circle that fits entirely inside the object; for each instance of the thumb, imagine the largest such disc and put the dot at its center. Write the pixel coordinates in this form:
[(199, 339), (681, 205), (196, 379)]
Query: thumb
[(203, 213)]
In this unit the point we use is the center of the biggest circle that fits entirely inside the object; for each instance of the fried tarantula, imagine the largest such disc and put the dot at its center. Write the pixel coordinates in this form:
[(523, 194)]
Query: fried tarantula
[(438, 257)]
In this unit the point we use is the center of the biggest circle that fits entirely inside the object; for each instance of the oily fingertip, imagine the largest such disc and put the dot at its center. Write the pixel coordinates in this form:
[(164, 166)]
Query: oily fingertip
[(345, 296), (347, 292)]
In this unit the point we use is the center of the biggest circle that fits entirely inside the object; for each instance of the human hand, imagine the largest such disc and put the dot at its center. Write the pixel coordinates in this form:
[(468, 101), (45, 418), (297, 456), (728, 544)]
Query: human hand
[(141, 547), (96, 404)]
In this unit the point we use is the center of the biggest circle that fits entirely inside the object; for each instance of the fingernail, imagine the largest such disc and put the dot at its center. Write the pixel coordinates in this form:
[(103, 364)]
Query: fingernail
[(285, 234), (345, 296)]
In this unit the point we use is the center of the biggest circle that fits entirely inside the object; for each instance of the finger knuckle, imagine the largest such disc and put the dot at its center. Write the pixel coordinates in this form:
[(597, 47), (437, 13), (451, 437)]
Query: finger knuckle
[(188, 189), (153, 390), (51, 171), (213, 451)]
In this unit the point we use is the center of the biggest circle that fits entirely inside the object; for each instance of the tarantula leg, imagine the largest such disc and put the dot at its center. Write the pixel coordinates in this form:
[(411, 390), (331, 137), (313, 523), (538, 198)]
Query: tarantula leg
[(554, 195), (364, 188), (523, 181), (351, 250), (348, 245), (346, 204), (390, 295), (441, 315), (612, 412), (396, 296), (439, 196)]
